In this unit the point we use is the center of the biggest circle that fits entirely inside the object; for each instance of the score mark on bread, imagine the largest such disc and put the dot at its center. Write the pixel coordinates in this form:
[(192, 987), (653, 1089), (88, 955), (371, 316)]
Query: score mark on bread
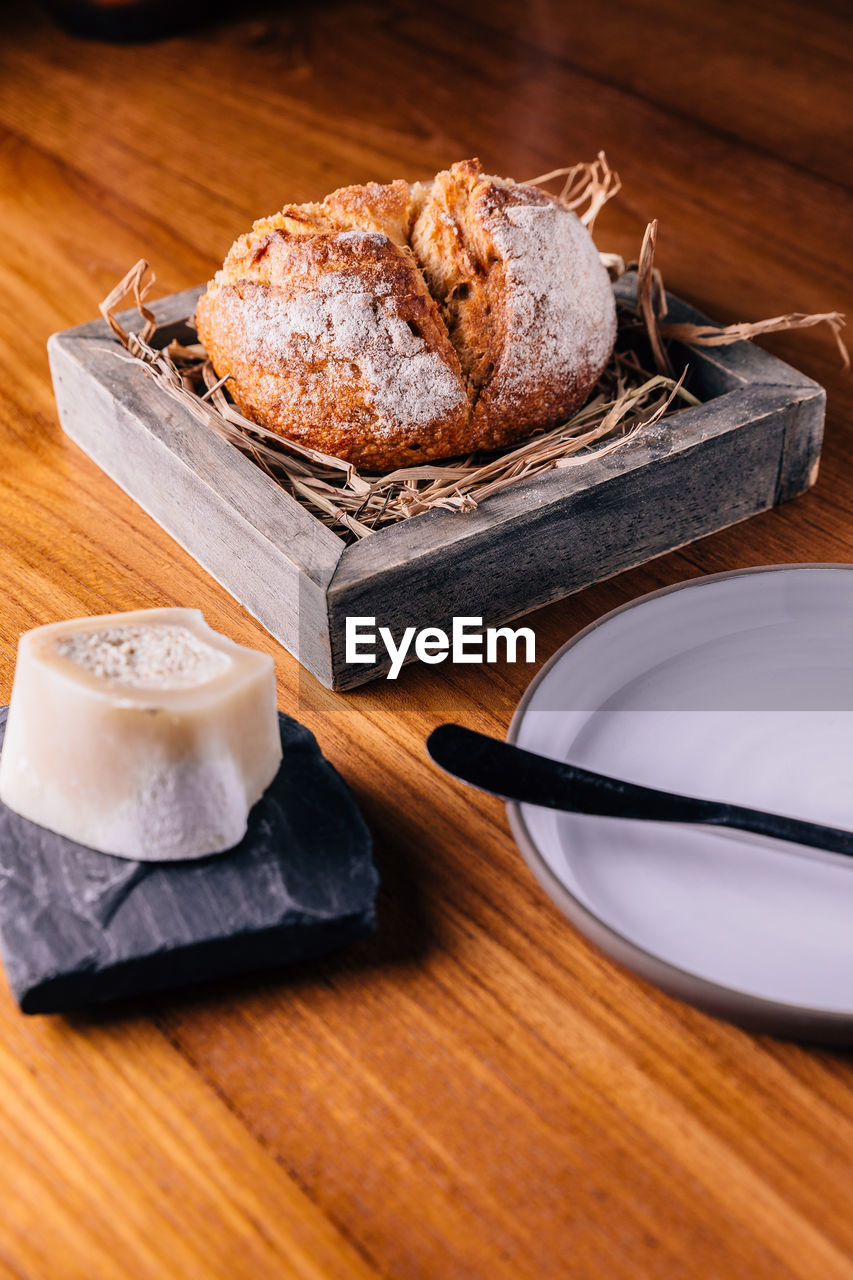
[(396, 324)]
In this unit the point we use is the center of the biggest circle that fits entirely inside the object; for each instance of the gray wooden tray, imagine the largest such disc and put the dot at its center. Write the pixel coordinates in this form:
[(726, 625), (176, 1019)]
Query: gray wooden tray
[(753, 442)]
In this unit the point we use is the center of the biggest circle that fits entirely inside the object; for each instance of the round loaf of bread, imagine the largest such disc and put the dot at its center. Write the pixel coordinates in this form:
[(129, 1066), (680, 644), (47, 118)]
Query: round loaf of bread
[(394, 324)]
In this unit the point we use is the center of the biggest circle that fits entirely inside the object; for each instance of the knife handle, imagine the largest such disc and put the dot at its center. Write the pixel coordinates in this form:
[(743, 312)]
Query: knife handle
[(515, 774)]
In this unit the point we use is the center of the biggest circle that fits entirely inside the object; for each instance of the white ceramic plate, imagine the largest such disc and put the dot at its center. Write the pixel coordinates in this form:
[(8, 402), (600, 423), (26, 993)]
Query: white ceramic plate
[(734, 687)]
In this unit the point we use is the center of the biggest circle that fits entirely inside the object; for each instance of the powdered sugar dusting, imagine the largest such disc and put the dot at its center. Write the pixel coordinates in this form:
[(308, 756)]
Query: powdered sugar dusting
[(562, 316), (340, 321)]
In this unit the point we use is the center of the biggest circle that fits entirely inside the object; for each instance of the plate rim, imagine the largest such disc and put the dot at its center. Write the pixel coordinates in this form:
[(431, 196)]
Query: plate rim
[(757, 1013)]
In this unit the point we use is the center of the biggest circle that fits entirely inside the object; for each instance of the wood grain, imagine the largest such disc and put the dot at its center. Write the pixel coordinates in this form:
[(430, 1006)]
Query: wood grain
[(476, 1092)]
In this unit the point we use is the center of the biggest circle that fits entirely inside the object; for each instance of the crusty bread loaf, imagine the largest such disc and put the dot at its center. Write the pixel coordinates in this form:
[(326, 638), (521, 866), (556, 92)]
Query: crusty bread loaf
[(393, 324)]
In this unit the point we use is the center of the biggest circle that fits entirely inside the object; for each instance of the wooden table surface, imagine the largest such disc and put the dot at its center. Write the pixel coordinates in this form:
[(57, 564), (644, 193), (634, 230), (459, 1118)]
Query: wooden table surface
[(475, 1091)]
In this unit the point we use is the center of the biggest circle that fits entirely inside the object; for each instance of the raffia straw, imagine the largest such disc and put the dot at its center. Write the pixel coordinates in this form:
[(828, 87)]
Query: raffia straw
[(586, 184), (651, 300), (134, 282), (627, 402), (707, 335)]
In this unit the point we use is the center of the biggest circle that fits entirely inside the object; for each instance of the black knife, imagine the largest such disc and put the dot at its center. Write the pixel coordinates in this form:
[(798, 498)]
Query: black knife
[(515, 774)]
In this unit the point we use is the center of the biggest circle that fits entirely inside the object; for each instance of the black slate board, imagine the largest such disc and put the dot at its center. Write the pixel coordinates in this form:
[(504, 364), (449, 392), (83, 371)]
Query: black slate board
[(78, 927)]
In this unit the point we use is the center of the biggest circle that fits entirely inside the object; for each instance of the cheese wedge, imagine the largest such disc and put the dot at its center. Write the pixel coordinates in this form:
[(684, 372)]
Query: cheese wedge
[(146, 735)]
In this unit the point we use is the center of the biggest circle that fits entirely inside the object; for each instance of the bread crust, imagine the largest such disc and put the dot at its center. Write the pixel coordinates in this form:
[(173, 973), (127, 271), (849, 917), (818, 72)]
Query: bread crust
[(393, 324)]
